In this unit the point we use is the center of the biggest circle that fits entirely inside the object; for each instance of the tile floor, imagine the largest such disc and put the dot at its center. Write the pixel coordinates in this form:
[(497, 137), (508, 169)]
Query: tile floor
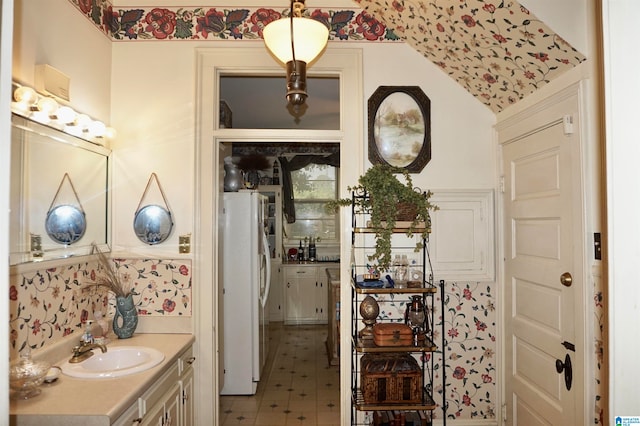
[(299, 388)]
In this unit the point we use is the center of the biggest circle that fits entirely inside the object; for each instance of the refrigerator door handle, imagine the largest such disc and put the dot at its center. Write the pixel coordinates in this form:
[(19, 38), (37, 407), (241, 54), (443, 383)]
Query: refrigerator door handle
[(267, 259)]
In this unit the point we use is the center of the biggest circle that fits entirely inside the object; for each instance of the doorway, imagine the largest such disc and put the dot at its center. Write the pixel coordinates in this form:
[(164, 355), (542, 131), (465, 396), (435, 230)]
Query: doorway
[(212, 63)]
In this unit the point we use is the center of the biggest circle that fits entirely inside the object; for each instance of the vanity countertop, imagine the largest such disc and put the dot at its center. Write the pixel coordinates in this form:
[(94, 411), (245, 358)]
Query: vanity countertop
[(98, 401)]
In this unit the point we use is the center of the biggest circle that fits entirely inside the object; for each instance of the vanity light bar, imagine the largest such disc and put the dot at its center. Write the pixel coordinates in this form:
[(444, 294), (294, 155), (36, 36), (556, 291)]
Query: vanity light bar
[(46, 110)]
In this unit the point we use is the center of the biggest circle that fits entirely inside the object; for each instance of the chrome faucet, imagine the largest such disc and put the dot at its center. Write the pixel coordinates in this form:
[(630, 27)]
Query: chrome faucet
[(84, 351)]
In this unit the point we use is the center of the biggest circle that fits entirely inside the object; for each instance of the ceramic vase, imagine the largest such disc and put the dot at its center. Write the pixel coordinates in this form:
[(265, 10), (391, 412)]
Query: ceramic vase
[(125, 319)]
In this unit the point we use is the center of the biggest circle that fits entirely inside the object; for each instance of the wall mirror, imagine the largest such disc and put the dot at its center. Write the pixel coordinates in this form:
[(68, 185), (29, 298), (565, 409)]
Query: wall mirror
[(40, 158)]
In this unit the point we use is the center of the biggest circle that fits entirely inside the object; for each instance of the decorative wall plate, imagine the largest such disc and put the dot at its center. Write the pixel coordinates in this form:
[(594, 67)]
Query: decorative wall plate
[(152, 224), (65, 224)]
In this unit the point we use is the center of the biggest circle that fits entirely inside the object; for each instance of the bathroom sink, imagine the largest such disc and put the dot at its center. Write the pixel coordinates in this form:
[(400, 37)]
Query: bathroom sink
[(116, 362)]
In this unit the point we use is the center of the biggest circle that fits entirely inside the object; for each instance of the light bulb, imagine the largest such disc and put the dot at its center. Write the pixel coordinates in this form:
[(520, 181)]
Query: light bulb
[(97, 128), (110, 133), (41, 117), (25, 95), (66, 115), (73, 130), (82, 120), (47, 105)]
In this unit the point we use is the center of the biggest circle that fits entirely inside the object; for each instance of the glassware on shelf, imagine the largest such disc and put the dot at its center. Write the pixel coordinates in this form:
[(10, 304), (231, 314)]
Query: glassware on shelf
[(401, 271)]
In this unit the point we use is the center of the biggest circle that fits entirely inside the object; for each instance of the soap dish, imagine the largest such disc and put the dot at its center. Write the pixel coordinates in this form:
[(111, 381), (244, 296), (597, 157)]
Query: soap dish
[(52, 374)]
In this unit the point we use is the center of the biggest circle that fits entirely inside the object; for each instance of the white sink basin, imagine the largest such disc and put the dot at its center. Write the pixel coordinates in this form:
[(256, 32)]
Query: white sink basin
[(116, 362)]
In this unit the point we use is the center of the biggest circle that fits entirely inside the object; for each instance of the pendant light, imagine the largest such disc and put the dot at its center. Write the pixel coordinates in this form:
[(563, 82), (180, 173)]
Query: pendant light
[(296, 41)]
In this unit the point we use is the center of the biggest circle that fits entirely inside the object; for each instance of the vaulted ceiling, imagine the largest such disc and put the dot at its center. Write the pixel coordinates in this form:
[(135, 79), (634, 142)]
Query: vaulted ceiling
[(496, 49)]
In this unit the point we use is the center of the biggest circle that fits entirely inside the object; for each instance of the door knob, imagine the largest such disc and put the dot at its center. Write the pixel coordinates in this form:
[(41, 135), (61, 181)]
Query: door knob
[(566, 279), (567, 369)]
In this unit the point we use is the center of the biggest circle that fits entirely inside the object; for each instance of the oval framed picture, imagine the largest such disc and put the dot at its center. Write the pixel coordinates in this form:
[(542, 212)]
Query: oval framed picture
[(399, 120)]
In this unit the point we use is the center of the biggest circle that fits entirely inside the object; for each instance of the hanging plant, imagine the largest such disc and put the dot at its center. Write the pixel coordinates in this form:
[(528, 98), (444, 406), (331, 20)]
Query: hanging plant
[(381, 194)]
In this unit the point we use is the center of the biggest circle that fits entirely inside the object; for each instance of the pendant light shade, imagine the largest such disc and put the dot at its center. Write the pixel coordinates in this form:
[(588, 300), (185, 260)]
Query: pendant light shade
[(309, 37), (296, 41)]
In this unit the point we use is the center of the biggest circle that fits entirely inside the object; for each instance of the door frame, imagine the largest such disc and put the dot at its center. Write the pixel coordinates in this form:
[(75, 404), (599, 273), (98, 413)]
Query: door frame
[(211, 62), (527, 121)]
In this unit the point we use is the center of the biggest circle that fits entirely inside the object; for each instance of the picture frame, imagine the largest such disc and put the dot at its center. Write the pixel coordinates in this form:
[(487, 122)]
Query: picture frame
[(399, 124)]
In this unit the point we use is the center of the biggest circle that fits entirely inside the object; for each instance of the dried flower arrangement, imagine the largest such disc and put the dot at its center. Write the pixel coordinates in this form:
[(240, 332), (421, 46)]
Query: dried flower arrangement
[(111, 279)]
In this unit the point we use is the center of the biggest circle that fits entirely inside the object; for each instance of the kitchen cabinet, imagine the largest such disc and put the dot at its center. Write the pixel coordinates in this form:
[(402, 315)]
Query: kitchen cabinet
[(276, 297), (273, 219), (305, 294)]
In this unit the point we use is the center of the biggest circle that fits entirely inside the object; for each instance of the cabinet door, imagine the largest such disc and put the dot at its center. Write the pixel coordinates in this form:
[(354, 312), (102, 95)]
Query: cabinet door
[(173, 407), (131, 417), (321, 295), (155, 416), (276, 297), (167, 411), (300, 289), (187, 398)]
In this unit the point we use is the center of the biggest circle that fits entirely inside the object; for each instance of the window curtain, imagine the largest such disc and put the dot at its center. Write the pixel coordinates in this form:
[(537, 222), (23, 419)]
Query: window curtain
[(296, 163)]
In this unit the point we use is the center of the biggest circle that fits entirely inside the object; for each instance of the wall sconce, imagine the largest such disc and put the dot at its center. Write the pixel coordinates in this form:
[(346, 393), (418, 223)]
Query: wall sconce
[(296, 41), (46, 110)]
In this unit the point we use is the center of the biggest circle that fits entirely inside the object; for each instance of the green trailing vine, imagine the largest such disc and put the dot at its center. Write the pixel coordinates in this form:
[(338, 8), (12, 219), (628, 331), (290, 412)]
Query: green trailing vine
[(379, 192)]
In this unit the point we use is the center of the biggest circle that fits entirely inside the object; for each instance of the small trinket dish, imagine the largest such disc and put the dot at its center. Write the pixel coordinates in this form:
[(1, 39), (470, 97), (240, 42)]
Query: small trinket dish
[(52, 374)]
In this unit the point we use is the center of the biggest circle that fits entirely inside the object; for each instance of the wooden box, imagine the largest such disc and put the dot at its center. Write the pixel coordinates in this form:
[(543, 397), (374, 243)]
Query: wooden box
[(391, 378), (392, 334)]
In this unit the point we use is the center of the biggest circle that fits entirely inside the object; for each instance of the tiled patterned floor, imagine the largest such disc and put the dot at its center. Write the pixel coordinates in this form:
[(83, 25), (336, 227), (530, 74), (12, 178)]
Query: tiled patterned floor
[(300, 388)]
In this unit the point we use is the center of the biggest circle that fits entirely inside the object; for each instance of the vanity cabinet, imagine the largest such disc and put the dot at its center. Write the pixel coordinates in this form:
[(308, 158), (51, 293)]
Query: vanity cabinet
[(167, 411), (188, 398), (169, 401), (305, 295)]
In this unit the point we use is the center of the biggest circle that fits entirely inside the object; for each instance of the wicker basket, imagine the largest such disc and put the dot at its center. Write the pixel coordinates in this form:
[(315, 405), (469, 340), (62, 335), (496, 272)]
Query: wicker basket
[(406, 212)]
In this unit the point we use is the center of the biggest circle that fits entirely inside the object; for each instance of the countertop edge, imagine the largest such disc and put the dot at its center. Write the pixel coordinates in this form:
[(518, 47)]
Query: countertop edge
[(56, 399)]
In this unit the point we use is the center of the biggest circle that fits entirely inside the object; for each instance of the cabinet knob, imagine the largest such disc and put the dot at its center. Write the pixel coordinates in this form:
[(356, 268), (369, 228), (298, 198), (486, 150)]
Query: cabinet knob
[(191, 360)]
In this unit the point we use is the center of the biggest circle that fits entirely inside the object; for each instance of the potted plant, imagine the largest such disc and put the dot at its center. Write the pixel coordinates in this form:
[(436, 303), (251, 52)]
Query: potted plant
[(385, 198)]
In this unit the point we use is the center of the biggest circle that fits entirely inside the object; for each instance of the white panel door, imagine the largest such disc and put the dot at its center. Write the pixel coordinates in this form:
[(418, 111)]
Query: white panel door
[(542, 334)]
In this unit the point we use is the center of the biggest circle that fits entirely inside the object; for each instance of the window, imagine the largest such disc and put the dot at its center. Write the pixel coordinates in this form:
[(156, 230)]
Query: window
[(313, 186)]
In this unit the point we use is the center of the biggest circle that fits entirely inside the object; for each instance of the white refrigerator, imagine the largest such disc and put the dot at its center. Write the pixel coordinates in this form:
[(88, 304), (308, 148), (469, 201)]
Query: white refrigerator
[(246, 281)]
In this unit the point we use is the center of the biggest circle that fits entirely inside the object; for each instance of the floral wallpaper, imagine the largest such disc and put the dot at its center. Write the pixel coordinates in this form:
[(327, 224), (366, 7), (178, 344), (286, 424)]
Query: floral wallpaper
[(470, 364), (599, 347), (497, 50), (51, 303)]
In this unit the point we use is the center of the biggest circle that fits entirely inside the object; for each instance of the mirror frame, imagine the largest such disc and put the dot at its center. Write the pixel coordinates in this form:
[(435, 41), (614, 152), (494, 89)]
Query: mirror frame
[(65, 250)]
